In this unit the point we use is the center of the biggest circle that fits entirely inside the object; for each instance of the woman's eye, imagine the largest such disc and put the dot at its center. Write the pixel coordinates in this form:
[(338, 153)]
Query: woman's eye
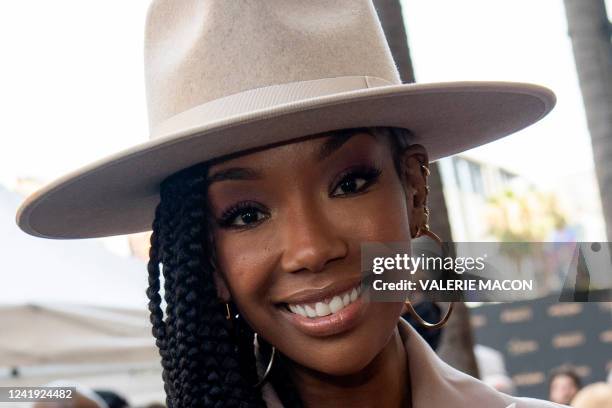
[(356, 181), (242, 215), (350, 185), (248, 217)]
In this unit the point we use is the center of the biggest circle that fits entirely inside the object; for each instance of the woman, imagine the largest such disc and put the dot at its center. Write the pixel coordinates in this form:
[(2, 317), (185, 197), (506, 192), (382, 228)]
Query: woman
[(282, 138), (563, 385)]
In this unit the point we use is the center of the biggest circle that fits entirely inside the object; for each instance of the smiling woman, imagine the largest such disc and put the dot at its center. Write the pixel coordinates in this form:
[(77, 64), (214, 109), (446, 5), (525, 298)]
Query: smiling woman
[(280, 144), (285, 226)]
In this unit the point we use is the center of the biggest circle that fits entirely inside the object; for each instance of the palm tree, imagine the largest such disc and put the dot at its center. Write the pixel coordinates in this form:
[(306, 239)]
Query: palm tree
[(457, 344), (590, 30)]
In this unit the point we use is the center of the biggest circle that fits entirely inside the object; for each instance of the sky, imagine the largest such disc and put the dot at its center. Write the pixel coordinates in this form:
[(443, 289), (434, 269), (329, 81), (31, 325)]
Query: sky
[(72, 84), (73, 89), (517, 40)]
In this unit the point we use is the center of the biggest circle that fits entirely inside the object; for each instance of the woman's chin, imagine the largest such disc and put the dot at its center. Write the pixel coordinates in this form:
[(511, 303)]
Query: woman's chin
[(337, 360)]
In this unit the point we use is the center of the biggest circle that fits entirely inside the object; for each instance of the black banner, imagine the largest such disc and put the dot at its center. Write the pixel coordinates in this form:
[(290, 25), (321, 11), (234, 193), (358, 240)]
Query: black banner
[(536, 336)]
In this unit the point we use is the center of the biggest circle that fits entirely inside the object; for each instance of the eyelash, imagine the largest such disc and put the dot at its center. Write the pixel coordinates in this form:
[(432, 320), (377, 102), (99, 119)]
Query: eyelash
[(229, 215), (369, 173)]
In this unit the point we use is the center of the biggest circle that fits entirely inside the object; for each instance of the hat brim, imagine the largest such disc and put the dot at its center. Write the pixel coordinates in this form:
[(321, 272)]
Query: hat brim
[(118, 194)]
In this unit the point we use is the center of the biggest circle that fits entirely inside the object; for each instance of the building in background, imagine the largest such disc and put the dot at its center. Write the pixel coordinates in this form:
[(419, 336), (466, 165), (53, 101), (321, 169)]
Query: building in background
[(467, 185), (472, 188)]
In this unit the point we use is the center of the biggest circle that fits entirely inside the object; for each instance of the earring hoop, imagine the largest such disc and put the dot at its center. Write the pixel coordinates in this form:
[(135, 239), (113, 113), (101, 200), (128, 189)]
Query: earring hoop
[(427, 324), (425, 231), (228, 316), (268, 368), (426, 170)]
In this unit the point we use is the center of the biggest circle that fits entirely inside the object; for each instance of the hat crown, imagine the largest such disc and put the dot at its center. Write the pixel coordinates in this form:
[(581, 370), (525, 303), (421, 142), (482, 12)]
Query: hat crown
[(199, 51)]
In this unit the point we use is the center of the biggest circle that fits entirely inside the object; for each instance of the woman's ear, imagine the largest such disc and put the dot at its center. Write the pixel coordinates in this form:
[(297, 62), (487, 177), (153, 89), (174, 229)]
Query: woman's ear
[(415, 164), (223, 292)]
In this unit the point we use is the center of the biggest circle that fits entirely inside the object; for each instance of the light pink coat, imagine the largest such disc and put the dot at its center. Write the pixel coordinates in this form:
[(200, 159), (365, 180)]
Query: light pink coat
[(435, 384)]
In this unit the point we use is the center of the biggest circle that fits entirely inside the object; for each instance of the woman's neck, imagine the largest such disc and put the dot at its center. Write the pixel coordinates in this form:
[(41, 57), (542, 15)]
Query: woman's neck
[(383, 383)]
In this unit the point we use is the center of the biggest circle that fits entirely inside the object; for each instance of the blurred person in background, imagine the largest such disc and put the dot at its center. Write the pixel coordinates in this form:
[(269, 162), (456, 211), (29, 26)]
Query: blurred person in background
[(598, 395), (563, 384), (492, 369), (112, 399)]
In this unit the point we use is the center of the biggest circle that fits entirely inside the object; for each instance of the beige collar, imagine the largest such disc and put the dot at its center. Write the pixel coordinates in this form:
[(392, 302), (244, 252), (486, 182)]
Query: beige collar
[(435, 384)]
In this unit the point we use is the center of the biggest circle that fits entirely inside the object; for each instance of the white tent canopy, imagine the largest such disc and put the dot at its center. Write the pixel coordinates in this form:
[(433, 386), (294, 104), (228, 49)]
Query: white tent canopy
[(36, 335), (97, 347), (74, 311), (65, 271)]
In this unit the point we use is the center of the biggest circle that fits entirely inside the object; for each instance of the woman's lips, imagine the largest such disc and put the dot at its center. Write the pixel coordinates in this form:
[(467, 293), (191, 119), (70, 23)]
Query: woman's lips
[(342, 320), (324, 306)]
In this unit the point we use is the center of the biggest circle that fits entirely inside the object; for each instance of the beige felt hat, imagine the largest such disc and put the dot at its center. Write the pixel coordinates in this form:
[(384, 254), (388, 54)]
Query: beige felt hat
[(226, 76)]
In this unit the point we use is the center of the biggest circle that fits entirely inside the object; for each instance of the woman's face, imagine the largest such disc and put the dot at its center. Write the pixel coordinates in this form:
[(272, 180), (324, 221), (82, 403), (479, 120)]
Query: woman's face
[(289, 222), (563, 388)]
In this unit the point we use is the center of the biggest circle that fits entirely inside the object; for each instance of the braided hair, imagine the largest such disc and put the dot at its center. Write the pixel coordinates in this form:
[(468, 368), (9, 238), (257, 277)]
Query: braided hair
[(207, 360)]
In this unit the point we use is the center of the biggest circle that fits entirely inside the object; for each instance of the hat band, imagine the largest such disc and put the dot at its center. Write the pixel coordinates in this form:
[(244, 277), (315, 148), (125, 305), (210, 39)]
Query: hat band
[(254, 100)]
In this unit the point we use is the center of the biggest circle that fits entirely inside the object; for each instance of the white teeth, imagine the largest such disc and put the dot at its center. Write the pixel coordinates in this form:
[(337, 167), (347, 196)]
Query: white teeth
[(328, 306), (335, 304), (310, 312), (301, 311), (354, 295), (322, 309)]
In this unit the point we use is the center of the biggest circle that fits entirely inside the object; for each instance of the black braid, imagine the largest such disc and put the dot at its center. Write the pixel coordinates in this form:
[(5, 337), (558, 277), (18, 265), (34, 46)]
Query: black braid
[(206, 360), (205, 363), (159, 327), (166, 239)]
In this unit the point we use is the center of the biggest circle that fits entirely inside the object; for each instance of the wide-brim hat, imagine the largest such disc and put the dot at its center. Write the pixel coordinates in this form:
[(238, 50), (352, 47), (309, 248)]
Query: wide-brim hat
[(228, 76)]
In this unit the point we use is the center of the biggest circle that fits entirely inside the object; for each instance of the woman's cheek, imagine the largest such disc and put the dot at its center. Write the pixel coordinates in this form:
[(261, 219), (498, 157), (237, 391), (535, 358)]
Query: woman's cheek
[(377, 216), (245, 262)]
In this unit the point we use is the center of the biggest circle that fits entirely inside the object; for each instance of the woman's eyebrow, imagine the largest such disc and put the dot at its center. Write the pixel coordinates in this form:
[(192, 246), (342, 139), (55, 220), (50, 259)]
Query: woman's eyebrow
[(335, 142), (332, 144), (234, 173)]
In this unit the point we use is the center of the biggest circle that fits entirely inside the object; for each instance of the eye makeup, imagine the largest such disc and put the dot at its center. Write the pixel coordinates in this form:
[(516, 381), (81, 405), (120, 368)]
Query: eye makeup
[(247, 212), (351, 181), (347, 179)]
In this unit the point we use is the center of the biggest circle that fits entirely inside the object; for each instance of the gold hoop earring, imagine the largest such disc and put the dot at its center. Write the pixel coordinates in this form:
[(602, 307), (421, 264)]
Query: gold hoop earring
[(425, 231), (425, 323), (268, 368), (425, 170)]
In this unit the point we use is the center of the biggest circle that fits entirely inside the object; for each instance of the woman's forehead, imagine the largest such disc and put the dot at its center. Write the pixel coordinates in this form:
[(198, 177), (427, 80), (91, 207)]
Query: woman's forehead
[(316, 148)]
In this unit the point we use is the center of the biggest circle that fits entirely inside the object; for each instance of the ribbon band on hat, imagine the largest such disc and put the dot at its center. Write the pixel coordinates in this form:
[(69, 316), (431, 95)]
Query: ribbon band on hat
[(255, 100)]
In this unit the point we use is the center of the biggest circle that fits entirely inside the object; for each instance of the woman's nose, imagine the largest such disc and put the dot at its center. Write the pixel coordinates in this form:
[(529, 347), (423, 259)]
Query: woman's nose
[(310, 241)]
